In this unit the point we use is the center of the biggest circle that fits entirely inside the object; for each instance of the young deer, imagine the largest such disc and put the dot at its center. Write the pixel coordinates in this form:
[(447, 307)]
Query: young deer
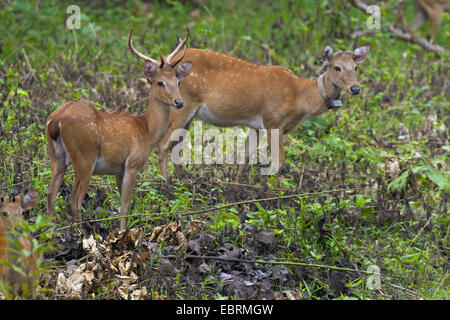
[(226, 91), (115, 143), (12, 247)]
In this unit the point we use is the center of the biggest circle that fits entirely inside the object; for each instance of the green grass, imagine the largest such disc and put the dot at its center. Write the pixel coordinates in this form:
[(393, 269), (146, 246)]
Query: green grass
[(398, 219)]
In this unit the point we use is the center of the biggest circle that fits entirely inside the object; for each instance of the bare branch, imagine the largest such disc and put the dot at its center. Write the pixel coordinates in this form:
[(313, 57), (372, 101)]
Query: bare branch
[(400, 34)]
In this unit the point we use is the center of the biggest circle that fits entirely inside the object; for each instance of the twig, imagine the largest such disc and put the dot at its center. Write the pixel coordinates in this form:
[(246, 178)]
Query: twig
[(440, 284), (364, 33), (407, 291), (300, 180), (400, 34), (420, 231), (27, 61), (16, 184)]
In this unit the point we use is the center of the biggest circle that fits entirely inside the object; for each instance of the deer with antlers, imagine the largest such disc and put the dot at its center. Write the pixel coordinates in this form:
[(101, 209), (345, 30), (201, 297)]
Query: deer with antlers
[(116, 143), (226, 91), (13, 247)]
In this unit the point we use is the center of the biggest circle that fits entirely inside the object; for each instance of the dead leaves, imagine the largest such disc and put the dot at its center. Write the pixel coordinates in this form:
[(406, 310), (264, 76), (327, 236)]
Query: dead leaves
[(111, 264), (170, 234)]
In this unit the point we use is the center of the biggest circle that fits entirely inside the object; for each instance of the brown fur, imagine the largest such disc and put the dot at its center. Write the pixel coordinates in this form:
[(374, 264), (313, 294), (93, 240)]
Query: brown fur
[(431, 10), (114, 144), (53, 129)]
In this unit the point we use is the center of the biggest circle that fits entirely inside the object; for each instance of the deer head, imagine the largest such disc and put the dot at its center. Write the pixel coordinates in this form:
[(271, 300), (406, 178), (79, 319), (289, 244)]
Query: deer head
[(342, 67), (162, 73)]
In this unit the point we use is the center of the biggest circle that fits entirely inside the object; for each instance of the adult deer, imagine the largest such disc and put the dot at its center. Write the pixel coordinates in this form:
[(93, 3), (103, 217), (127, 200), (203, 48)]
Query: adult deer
[(431, 10), (116, 143), (226, 91), (13, 247)]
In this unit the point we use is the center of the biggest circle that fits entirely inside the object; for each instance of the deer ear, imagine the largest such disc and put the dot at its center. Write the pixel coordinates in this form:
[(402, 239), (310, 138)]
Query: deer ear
[(29, 200), (327, 52), (183, 69), (360, 54), (150, 70)]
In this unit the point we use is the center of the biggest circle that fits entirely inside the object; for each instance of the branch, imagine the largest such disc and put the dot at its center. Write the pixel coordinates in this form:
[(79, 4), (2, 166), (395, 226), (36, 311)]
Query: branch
[(400, 34), (364, 33)]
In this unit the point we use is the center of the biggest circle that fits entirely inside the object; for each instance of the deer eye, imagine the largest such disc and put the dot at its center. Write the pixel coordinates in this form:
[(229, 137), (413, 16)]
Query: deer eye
[(160, 83), (178, 82), (4, 213), (338, 69), (356, 68)]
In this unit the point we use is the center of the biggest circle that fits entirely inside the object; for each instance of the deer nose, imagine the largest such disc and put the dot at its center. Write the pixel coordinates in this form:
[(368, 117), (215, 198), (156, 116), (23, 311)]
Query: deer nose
[(179, 103), (355, 89)]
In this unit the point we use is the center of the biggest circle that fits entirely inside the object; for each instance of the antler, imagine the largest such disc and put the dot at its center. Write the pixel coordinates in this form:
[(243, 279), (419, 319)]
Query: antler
[(140, 55), (177, 49)]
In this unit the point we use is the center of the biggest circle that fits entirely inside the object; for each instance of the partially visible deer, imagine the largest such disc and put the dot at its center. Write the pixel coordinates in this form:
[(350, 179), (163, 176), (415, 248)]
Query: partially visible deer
[(225, 91), (12, 247), (116, 143), (431, 10)]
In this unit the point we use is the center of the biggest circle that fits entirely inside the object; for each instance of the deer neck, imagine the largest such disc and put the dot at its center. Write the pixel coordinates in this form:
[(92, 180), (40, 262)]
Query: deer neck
[(156, 119), (328, 91)]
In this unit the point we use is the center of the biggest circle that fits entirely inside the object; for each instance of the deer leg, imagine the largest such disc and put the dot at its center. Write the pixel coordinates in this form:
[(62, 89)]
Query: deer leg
[(128, 183), (58, 168), (280, 156), (282, 162), (179, 172), (83, 167), (178, 119), (58, 171), (435, 21), (163, 155), (250, 150), (401, 16), (164, 150)]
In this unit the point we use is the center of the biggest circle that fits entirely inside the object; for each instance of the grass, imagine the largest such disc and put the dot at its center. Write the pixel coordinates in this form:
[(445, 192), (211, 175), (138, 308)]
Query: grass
[(393, 212)]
